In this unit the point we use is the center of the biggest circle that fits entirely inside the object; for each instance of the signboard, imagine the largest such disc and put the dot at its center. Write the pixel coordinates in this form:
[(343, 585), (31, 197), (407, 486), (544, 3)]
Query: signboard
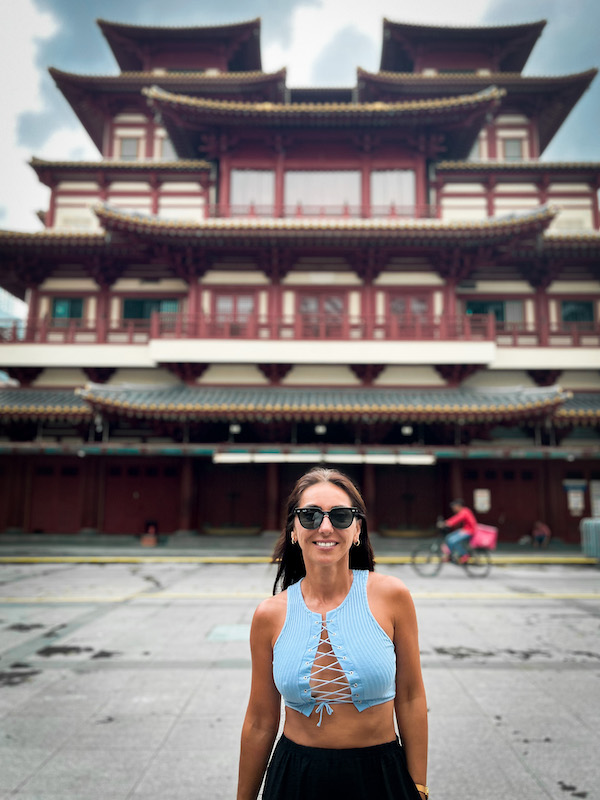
[(482, 501)]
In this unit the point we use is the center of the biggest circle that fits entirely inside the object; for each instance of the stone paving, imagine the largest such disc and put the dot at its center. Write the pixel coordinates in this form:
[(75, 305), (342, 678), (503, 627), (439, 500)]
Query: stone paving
[(125, 681)]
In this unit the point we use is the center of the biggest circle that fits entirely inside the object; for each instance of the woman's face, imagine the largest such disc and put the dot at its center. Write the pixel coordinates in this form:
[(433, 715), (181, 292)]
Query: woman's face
[(325, 544)]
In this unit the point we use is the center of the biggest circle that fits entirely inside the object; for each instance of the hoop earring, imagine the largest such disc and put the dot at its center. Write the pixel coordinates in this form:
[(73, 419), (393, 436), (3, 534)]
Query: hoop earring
[(293, 540), (357, 542)]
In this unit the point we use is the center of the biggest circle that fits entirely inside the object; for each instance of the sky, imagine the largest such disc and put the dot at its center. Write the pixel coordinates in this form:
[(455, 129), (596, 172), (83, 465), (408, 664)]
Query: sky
[(319, 42)]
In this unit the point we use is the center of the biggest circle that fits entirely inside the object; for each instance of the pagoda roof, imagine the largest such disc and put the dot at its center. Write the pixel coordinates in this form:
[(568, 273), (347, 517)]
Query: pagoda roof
[(266, 404), (49, 171), (86, 93), (582, 408), (512, 44), (338, 232), (31, 403), (553, 97), (459, 118), (127, 41)]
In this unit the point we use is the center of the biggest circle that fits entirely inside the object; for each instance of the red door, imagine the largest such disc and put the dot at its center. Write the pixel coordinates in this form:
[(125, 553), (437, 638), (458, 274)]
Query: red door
[(141, 491), (56, 496)]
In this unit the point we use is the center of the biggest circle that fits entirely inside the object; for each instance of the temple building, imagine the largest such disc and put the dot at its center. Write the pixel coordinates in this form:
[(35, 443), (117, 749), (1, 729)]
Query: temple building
[(254, 278)]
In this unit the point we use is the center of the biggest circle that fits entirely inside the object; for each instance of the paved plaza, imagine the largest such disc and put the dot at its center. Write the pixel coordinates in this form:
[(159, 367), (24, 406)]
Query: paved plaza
[(129, 680)]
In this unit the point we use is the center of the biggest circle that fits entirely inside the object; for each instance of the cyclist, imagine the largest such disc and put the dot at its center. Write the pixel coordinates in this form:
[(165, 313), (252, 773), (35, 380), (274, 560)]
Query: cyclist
[(462, 524)]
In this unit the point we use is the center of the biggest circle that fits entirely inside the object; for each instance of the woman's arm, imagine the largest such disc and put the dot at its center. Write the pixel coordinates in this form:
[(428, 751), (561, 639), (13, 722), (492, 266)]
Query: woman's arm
[(262, 716), (410, 703)]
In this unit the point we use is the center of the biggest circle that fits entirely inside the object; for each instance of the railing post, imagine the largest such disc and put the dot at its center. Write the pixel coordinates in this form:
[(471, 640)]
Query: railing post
[(154, 325), (491, 327), (467, 327)]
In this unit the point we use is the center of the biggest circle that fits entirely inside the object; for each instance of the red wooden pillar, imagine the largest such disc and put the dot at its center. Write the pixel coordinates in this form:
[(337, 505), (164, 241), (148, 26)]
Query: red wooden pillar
[(224, 187), (272, 498), (274, 306), (449, 311), (489, 195), (542, 317), (456, 484), (279, 210), (369, 494), (149, 148), (186, 499), (365, 194), (33, 310), (102, 314)]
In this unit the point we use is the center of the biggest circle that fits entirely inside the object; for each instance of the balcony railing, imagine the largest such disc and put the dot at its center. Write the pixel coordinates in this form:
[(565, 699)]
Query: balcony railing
[(320, 211), (557, 334), (222, 326), (303, 327)]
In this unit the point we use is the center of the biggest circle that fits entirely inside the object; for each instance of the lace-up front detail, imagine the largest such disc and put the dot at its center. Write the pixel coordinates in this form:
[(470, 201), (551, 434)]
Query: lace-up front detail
[(345, 657), (328, 681)]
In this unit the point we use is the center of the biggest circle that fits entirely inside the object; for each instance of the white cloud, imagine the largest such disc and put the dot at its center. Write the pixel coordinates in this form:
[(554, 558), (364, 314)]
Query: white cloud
[(313, 28), (21, 26)]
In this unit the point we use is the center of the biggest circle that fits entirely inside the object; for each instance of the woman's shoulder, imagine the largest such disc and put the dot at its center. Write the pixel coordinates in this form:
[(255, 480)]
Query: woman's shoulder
[(271, 612), (388, 588)]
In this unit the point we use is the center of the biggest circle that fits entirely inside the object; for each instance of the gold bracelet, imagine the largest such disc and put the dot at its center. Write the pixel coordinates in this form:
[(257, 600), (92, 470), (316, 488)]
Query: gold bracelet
[(423, 789)]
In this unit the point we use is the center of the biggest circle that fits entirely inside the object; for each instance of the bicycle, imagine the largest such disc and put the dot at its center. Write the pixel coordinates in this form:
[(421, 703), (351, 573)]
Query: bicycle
[(428, 559)]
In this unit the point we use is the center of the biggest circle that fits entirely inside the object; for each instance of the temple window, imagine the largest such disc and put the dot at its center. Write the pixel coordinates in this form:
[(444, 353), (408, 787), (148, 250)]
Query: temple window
[(577, 311), (234, 313), (513, 149), (252, 191), (321, 314), (65, 309), (508, 311), (322, 192), (144, 307), (393, 189), (404, 305), (129, 147)]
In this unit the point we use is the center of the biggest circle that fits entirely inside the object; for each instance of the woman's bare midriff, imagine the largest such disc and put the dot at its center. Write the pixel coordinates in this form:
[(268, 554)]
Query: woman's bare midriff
[(345, 728)]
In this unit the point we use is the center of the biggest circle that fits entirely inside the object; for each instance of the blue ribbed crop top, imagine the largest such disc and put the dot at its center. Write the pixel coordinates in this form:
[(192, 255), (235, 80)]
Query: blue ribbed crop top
[(363, 649)]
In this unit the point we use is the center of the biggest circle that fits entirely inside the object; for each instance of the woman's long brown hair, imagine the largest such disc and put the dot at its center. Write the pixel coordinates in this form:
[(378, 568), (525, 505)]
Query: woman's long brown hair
[(288, 556)]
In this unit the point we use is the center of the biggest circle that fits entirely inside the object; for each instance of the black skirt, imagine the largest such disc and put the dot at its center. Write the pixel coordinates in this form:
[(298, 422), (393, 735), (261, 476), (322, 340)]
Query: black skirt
[(315, 773)]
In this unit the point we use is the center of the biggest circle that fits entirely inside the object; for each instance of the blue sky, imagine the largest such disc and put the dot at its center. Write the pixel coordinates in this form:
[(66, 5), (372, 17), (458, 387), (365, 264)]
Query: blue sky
[(320, 42)]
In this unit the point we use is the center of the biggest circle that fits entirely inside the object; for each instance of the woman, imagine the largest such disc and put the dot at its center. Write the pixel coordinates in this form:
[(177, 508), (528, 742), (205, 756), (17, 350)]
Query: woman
[(340, 644)]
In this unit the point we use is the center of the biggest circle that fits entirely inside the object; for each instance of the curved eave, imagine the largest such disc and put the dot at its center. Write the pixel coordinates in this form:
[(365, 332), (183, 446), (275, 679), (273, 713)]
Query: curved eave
[(31, 404), (214, 112), (50, 171), (135, 81), (432, 233), (121, 36), (590, 168), (582, 245), (453, 81), (320, 404), (517, 40), (582, 409), (51, 240), (81, 91)]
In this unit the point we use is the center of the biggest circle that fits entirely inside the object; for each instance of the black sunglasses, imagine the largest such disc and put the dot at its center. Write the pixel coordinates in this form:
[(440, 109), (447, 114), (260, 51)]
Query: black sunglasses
[(340, 516)]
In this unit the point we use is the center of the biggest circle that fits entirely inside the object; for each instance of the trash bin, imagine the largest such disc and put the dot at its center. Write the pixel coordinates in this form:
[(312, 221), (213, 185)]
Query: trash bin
[(590, 537)]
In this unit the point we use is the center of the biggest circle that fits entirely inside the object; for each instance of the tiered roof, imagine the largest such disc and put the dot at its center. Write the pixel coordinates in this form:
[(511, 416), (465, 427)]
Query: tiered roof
[(552, 97), (88, 94), (134, 45), (49, 172), (510, 45), (457, 119)]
